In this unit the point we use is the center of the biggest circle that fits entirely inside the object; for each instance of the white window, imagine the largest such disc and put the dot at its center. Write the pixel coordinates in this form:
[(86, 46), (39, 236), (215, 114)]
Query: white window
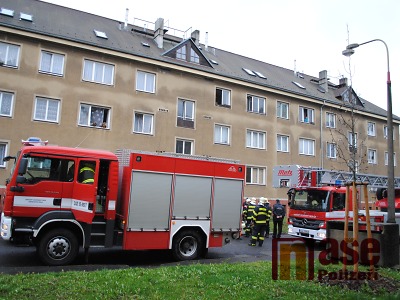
[(9, 55), (385, 132), (372, 156), (331, 150), (6, 104), (255, 175), (185, 116), (221, 134), (306, 115), (255, 139), (256, 104), (194, 57), (52, 63), (181, 53), (371, 129), (282, 110), (98, 72), (387, 159), (352, 141), (354, 166), (3, 153), (306, 146), (330, 120), (282, 143), (223, 97), (143, 123), (46, 109), (184, 146), (94, 116), (146, 82)]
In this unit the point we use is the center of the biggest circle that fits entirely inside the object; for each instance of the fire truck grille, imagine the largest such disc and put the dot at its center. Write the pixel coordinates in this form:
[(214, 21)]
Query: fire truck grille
[(306, 223)]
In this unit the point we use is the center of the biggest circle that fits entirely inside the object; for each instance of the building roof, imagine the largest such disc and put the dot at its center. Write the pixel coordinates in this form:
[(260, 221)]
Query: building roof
[(77, 26)]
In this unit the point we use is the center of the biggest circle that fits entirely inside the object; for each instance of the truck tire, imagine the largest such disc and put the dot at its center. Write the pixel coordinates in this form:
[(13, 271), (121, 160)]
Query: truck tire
[(58, 247), (187, 245)]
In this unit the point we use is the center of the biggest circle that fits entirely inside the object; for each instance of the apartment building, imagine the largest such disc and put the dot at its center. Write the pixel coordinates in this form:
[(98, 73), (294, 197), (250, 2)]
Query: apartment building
[(81, 80)]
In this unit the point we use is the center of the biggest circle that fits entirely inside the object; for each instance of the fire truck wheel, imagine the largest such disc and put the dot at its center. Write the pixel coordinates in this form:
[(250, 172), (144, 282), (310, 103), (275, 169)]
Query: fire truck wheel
[(58, 247), (187, 245)]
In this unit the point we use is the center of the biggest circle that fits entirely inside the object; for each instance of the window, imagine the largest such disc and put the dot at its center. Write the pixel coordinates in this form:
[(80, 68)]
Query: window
[(185, 113), (100, 34), (306, 146), (255, 175), (223, 97), (145, 82), (306, 115), (282, 143), (255, 139), (371, 129), (331, 150), (354, 166), (372, 156), (387, 159), (221, 134), (194, 57), (352, 142), (46, 109), (143, 123), (184, 146), (94, 116), (282, 110), (52, 63), (98, 72), (330, 120), (9, 55), (181, 53), (6, 104), (48, 169), (3, 153), (256, 104)]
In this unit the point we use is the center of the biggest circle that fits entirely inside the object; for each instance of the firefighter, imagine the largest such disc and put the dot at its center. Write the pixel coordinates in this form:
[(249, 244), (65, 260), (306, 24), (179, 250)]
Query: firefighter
[(249, 217), (278, 212), (269, 214), (244, 209), (260, 223), (86, 173)]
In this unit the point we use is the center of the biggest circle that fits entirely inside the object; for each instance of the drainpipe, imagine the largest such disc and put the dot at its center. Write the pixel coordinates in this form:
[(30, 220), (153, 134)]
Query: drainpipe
[(320, 138)]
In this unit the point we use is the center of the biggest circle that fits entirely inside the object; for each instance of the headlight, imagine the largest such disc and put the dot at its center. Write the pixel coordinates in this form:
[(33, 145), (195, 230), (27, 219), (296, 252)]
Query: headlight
[(290, 229), (4, 226), (321, 235)]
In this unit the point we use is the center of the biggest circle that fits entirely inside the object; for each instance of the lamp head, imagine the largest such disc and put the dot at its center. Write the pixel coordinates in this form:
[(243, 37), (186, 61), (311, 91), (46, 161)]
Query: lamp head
[(348, 52)]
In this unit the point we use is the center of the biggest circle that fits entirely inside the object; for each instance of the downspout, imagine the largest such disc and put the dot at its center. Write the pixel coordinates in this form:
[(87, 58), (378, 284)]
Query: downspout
[(321, 145)]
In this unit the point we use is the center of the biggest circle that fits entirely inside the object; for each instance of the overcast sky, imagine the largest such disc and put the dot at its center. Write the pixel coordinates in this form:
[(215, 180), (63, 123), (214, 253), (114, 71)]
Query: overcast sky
[(308, 35)]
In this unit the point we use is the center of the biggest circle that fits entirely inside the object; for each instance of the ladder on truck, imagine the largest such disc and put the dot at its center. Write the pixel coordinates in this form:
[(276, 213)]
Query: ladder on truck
[(333, 177)]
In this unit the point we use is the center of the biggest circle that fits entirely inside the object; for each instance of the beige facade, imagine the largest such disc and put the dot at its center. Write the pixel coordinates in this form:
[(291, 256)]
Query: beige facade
[(256, 139)]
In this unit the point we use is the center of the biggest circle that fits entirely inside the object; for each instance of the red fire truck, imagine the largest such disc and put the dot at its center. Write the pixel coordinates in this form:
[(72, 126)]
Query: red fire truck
[(135, 200), (316, 196)]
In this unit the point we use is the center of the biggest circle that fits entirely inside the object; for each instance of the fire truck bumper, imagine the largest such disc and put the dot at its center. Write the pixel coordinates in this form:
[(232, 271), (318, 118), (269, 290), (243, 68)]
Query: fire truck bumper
[(319, 234), (5, 230)]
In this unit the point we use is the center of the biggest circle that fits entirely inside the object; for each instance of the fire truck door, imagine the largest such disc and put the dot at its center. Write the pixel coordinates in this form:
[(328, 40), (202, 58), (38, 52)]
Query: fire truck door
[(85, 190), (45, 186)]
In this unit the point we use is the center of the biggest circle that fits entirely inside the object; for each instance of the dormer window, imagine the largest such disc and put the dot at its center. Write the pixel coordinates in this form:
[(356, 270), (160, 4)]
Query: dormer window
[(194, 57), (189, 52), (181, 53)]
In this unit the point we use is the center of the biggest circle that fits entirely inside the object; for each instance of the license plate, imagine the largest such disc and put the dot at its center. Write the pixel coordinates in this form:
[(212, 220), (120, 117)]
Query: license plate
[(305, 231)]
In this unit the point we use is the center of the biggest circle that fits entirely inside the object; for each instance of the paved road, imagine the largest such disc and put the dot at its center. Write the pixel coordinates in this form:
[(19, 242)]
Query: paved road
[(23, 259)]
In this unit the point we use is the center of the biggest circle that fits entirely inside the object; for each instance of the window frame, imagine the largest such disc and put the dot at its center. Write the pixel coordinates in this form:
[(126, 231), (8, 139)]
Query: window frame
[(279, 111), (350, 140), (302, 118), (330, 118), (255, 136), (250, 104), (7, 54), (95, 66), (182, 120), (11, 104), (48, 101), (387, 158), (144, 89), (94, 125), (53, 55), (250, 175), (331, 147), (372, 160), (280, 137), (3, 164), (184, 144), (301, 146), (220, 140), (373, 131), (143, 131), (223, 91)]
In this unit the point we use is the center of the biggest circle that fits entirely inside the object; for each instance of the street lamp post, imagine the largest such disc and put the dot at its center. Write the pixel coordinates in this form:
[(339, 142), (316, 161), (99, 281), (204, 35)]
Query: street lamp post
[(390, 189)]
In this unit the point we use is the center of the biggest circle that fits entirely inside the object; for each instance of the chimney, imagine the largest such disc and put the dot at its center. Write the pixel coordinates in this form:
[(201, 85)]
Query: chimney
[(343, 81), (323, 80), (196, 37), (159, 33), (126, 18)]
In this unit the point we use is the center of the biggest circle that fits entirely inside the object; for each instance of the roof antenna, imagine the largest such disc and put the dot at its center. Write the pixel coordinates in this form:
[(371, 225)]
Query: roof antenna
[(294, 70), (126, 18)]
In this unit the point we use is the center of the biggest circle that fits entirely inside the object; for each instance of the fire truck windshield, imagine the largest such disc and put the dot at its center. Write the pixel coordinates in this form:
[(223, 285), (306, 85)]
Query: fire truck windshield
[(315, 200)]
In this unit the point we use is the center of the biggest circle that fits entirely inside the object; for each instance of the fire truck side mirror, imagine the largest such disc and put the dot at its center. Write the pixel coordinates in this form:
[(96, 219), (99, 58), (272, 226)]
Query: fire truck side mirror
[(21, 179), (23, 166)]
